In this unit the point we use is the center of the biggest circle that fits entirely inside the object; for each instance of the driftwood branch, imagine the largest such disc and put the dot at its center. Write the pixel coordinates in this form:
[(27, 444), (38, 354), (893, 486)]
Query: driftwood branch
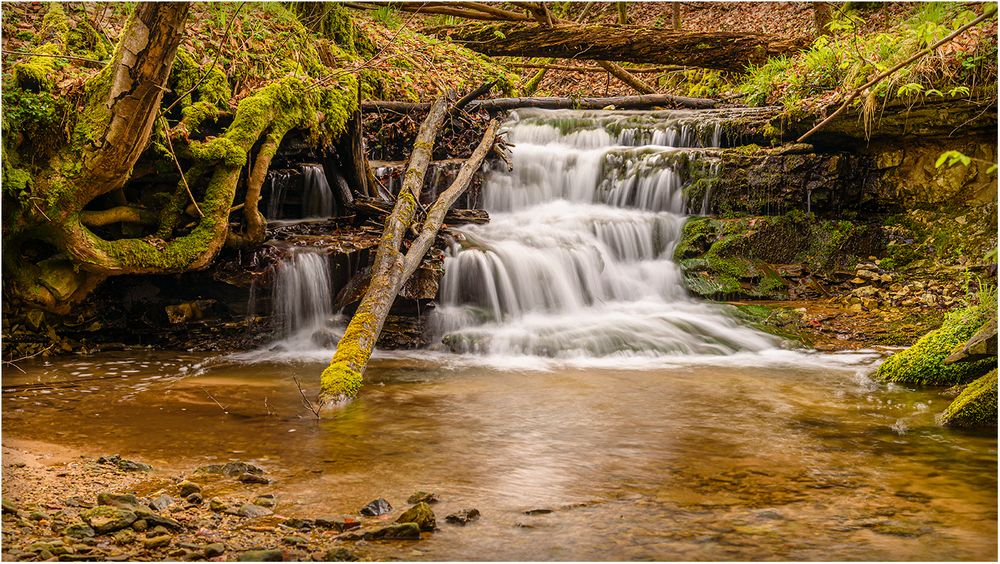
[(623, 75), (505, 104)]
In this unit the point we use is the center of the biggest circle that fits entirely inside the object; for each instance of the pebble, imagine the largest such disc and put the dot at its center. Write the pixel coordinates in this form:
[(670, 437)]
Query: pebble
[(160, 503), (252, 511), (187, 488), (214, 549), (260, 556), (266, 500), (340, 555), (157, 542)]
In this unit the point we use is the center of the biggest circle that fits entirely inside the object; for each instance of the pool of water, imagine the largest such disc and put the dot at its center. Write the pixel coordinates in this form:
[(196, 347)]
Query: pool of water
[(806, 459)]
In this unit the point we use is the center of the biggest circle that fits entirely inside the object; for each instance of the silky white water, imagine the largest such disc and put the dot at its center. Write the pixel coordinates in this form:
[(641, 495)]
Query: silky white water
[(577, 258)]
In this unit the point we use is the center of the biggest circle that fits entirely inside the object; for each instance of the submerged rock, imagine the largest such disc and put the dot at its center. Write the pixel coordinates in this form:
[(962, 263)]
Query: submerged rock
[(420, 514), (266, 500), (377, 507), (340, 524), (422, 496), (231, 469), (396, 531), (463, 517), (248, 478)]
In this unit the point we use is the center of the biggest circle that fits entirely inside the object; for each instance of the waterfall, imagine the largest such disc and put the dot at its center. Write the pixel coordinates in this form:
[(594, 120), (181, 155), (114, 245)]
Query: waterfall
[(302, 301), (577, 258), (299, 194), (317, 198)]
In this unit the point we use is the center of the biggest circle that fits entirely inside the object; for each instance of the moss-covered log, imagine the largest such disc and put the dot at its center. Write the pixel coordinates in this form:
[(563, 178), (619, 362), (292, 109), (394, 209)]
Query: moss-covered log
[(730, 51)]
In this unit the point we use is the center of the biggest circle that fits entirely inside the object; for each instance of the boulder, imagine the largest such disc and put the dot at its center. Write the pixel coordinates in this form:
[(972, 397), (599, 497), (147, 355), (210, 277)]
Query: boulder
[(421, 514)]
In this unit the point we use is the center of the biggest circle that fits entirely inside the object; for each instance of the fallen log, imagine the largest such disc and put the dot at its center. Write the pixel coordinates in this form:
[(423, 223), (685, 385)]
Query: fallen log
[(343, 377), (728, 51), (504, 104), (581, 68)]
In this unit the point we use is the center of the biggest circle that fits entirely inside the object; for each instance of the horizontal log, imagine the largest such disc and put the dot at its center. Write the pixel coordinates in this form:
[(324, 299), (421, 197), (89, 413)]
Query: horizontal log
[(730, 51), (558, 103), (581, 68)]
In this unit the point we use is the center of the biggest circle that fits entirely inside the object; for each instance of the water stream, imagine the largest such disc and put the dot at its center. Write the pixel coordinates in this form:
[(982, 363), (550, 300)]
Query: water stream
[(575, 376)]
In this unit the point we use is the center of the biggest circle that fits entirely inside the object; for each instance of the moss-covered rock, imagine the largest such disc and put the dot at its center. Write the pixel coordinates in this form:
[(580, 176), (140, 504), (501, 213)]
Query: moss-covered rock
[(976, 406), (421, 514), (923, 363)]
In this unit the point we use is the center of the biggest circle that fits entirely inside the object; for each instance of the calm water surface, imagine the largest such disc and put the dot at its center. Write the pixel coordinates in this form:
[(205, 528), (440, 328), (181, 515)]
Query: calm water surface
[(803, 460)]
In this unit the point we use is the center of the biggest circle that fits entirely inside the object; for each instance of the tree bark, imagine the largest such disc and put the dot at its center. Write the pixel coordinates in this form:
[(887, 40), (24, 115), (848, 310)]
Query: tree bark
[(505, 104), (729, 51), (343, 377)]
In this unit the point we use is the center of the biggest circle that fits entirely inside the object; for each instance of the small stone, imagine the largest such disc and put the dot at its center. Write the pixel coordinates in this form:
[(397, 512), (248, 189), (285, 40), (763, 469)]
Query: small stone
[(867, 274), (421, 514), (187, 488), (157, 531), (216, 505), (463, 517), (248, 478), (858, 281), (421, 496), (124, 536), (79, 530), (157, 542), (38, 516), (253, 511), (160, 503), (106, 519), (885, 278), (123, 464), (260, 556), (295, 540), (296, 523), (539, 511), (9, 507), (377, 507), (121, 501), (340, 555), (195, 498), (267, 500), (345, 524), (140, 525), (396, 531), (214, 549)]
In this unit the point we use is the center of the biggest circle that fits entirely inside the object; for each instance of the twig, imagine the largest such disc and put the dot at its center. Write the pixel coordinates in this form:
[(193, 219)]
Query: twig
[(210, 396), (989, 12), (70, 57), (170, 148), (314, 408), (218, 52)]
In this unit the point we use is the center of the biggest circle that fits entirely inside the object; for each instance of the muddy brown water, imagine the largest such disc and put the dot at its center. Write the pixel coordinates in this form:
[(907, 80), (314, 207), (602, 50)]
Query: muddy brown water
[(804, 460)]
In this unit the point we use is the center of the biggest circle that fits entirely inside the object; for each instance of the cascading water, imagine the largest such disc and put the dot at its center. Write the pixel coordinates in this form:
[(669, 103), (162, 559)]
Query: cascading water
[(317, 198), (302, 301), (577, 258)]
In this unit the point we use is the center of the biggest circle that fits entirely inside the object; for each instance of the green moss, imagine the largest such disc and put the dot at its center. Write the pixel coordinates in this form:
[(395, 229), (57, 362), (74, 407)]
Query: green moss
[(922, 364), (186, 72), (36, 74), (339, 380), (976, 406)]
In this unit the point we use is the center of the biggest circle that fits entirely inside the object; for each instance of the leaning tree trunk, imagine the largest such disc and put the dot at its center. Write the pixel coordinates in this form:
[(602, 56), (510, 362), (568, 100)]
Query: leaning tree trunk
[(729, 51), (343, 377)]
